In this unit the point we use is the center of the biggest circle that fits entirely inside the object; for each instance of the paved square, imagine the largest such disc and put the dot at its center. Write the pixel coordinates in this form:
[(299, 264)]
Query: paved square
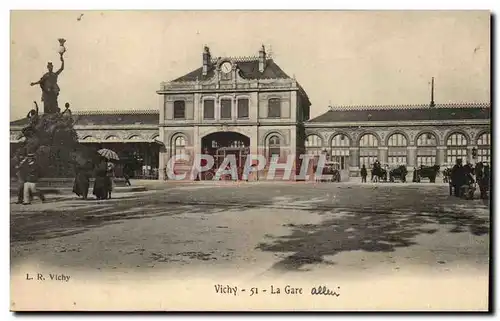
[(262, 227)]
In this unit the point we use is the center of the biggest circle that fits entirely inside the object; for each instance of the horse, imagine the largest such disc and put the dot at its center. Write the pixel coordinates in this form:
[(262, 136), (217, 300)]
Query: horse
[(398, 173), (379, 174), (429, 172)]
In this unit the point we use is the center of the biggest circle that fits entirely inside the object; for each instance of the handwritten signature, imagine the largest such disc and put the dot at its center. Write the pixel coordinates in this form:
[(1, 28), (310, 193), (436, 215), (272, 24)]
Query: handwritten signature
[(323, 290)]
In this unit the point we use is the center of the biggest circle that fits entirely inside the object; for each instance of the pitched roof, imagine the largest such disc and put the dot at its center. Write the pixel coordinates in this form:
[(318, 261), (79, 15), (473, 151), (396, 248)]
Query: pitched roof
[(116, 117), (249, 69), (405, 113)]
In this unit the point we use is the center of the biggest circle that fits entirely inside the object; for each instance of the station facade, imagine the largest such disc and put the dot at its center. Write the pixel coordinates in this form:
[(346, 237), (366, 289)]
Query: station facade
[(249, 105)]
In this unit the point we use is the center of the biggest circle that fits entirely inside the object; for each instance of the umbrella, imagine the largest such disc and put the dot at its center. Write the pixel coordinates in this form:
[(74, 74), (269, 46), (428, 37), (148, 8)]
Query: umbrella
[(108, 154)]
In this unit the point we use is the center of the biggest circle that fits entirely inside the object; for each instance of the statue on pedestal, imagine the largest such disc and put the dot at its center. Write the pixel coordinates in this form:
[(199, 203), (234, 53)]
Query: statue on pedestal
[(49, 86)]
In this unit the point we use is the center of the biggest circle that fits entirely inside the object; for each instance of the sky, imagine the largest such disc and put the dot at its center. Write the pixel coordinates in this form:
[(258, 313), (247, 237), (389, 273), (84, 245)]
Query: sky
[(117, 59)]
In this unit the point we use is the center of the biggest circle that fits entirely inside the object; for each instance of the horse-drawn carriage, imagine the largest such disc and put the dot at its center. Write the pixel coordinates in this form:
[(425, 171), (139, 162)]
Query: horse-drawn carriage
[(398, 172), (332, 169), (379, 173), (390, 172), (430, 172)]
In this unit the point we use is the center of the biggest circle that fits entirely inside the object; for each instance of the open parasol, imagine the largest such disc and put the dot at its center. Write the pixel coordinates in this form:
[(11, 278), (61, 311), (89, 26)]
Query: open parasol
[(108, 154)]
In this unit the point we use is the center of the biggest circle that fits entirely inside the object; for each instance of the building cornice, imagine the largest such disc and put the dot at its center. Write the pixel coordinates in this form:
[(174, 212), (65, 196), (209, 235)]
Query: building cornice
[(399, 123), (412, 106), (224, 90), (231, 124), (117, 112), (100, 127)]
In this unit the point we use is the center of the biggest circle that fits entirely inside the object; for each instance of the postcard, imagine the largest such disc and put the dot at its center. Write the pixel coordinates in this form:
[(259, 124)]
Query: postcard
[(250, 160)]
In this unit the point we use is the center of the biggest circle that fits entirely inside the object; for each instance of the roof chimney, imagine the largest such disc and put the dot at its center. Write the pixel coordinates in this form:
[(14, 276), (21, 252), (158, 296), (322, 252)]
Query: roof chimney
[(262, 59), (206, 60)]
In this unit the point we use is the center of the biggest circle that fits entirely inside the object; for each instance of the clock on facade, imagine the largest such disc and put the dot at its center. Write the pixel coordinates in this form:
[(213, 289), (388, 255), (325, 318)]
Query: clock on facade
[(226, 67)]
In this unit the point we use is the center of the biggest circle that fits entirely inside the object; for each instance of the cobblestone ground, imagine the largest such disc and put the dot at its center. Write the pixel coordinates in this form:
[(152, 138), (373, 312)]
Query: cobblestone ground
[(285, 227)]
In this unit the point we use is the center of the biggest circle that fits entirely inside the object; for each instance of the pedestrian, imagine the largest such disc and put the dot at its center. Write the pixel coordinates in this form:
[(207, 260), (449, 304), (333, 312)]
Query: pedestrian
[(32, 171), (21, 178), (82, 180), (416, 178), (485, 182), (101, 180), (457, 177), (126, 175), (110, 173), (364, 173)]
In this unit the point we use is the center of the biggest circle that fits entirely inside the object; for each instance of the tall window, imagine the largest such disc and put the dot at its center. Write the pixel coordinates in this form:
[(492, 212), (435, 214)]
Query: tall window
[(225, 108), (274, 108), (274, 148), (179, 145), (209, 109), (368, 150), (243, 108), (483, 148), (456, 148), (340, 150), (397, 153), (426, 149), (179, 109), (313, 145)]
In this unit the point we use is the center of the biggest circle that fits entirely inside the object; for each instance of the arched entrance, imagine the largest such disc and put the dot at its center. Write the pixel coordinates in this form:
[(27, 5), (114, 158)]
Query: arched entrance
[(222, 144)]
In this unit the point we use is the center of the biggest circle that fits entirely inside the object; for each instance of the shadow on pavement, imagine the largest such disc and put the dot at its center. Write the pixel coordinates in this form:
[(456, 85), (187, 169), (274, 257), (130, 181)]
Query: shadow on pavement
[(364, 229), (355, 225)]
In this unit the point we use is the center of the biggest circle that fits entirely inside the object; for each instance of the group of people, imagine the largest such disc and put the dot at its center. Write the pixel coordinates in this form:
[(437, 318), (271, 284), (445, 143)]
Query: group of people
[(103, 184), (28, 173), (464, 177)]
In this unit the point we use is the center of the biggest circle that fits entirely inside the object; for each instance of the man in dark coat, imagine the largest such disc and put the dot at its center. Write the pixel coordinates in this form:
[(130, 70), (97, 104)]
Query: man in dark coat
[(364, 173), (457, 177), (485, 182)]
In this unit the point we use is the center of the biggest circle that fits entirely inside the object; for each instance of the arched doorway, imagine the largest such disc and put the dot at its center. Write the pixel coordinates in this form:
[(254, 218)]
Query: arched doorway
[(222, 144)]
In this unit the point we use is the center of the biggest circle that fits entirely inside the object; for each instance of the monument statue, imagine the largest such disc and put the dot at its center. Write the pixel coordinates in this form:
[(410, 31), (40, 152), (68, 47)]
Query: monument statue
[(48, 84)]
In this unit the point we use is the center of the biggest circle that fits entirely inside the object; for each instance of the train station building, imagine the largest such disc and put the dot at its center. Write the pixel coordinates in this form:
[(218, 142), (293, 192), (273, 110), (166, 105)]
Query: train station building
[(249, 105)]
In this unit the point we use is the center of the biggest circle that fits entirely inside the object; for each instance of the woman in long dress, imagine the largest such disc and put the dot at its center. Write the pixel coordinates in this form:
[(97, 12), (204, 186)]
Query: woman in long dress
[(101, 185), (82, 180)]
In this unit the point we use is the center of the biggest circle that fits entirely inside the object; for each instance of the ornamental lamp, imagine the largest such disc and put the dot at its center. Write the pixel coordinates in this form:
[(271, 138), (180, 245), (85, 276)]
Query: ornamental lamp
[(62, 48)]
